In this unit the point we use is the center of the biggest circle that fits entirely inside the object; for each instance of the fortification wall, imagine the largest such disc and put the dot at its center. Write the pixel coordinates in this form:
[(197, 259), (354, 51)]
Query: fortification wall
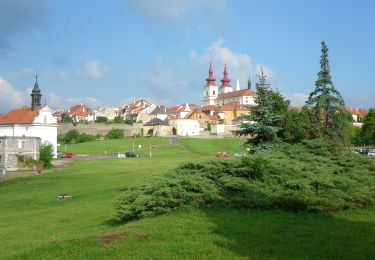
[(102, 129)]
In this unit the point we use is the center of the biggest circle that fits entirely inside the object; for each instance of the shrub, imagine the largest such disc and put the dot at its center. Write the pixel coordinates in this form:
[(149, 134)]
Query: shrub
[(115, 134), (82, 138), (46, 154), (101, 119), (71, 136), (300, 177), (118, 119)]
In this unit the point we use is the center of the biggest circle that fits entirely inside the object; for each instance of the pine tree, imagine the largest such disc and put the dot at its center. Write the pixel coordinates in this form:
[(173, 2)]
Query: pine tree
[(260, 124), (326, 102)]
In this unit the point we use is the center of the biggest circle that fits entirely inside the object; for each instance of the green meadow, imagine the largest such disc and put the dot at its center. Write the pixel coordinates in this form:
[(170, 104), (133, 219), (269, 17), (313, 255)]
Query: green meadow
[(34, 225)]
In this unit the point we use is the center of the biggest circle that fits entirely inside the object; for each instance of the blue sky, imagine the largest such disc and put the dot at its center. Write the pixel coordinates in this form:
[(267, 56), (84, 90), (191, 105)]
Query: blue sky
[(110, 52)]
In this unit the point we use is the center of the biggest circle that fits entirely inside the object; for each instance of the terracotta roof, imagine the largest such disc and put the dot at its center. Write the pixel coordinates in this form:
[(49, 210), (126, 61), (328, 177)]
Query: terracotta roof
[(19, 116), (209, 107), (80, 110), (295, 108), (360, 112), (216, 118), (238, 93), (181, 108), (231, 106)]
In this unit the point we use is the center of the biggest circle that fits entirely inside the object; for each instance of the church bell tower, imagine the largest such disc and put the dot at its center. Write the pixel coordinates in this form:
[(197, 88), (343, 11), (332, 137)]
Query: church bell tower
[(36, 95)]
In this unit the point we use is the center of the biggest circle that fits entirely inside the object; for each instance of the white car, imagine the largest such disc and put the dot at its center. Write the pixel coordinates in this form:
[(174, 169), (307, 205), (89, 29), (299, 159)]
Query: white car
[(371, 153)]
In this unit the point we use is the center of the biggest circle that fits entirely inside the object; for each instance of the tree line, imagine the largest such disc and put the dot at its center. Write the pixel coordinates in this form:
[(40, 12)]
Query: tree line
[(323, 115)]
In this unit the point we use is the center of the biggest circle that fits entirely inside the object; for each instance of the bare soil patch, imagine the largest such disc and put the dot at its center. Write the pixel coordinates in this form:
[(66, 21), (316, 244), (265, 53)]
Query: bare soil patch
[(111, 237)]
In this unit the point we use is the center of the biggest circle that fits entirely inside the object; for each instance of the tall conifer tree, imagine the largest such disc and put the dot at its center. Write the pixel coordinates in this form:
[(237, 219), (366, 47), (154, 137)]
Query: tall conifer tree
[(260, 124), (326, 102)]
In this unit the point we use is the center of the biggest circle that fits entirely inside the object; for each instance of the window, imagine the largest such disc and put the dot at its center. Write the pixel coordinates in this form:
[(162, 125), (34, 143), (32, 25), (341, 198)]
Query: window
[(206, 93), (21, 144), (213, 92)]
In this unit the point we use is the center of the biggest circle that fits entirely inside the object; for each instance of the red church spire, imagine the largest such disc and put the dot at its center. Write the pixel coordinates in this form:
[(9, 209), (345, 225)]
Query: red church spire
[(210, 80), (225, 81)]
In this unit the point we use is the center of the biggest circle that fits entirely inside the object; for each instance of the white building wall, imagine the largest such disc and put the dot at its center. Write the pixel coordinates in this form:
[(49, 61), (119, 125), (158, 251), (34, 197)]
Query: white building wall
[(44, 126), (186, 127)]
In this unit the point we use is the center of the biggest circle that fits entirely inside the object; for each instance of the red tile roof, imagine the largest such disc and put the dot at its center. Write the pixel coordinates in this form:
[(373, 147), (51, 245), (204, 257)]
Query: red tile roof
[(181, 108), (209, 108), (295, 108), (80, 110), (360, 112), (231, 106), (19, 116), (238, 93)]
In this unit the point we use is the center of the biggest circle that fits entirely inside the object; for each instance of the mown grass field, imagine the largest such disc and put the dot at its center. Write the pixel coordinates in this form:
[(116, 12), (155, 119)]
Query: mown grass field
[(34, 225)]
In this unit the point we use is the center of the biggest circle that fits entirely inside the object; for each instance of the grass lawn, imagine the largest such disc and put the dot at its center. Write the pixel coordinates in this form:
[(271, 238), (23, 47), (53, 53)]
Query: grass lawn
[(33, 225)]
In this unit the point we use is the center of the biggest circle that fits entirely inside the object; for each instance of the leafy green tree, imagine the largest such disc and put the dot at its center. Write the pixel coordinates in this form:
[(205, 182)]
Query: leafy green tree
[(279, 104), (260, 124), (368, 128), (118, 119), (101, 119), (82, 138), (46, 154), (115, 134), (293, 128), (67, 119), (71, 136), (327, 104)]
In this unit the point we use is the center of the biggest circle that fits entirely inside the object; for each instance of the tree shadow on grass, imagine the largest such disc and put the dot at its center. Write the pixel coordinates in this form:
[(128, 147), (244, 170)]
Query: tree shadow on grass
[(260, 234), (113, 222)]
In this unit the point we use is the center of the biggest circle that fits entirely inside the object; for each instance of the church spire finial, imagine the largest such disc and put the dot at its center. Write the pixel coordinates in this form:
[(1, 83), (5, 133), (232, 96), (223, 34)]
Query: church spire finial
[(211, 79), (225, 81), (249, 83), (36, 95)]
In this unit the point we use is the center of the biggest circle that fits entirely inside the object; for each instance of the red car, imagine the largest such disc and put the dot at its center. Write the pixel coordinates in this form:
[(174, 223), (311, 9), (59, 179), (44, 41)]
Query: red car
[(67, 155), (222, 155)]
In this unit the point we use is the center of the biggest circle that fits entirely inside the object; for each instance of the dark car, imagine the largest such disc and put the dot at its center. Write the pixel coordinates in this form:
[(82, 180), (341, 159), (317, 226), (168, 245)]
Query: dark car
[(131, 154), (67, 155)]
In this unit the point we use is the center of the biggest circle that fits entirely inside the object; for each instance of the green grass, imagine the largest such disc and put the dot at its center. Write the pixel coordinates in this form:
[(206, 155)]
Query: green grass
[(33, 225), (114, 145)]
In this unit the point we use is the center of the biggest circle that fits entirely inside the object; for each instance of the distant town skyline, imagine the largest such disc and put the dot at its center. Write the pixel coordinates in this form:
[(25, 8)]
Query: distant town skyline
[(108, 53)]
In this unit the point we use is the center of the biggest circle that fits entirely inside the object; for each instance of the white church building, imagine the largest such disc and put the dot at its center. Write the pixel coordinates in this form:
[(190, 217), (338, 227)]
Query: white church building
[(34, 121), (220, 95)]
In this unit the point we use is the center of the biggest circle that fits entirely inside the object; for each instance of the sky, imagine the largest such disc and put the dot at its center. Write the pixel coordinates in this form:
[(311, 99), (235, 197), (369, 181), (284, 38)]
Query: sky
[(106, 53)]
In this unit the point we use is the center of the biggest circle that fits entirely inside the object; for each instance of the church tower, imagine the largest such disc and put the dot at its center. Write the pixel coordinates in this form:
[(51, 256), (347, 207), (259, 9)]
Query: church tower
[(36, 95), (225, 82), (211, 89)]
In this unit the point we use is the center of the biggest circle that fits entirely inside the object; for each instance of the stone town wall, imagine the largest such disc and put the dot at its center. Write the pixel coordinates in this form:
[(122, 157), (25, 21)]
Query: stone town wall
[(101, 129)]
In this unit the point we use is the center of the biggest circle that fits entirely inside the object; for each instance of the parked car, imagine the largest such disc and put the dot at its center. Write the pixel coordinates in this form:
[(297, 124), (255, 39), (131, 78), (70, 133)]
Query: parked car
[(371, 153), (67, 155), (240, 154), (59, 154), (131, 154), (222, 155)]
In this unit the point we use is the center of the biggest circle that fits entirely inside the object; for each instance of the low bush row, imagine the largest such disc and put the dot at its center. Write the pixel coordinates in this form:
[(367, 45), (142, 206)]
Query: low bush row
[(303, 177)]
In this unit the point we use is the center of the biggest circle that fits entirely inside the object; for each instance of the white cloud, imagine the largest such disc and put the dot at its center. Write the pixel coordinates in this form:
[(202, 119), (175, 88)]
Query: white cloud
[(298, 99), (57, 102), (93, 70), (164, 84), (10, 98), (172, 10), (239, 65)]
